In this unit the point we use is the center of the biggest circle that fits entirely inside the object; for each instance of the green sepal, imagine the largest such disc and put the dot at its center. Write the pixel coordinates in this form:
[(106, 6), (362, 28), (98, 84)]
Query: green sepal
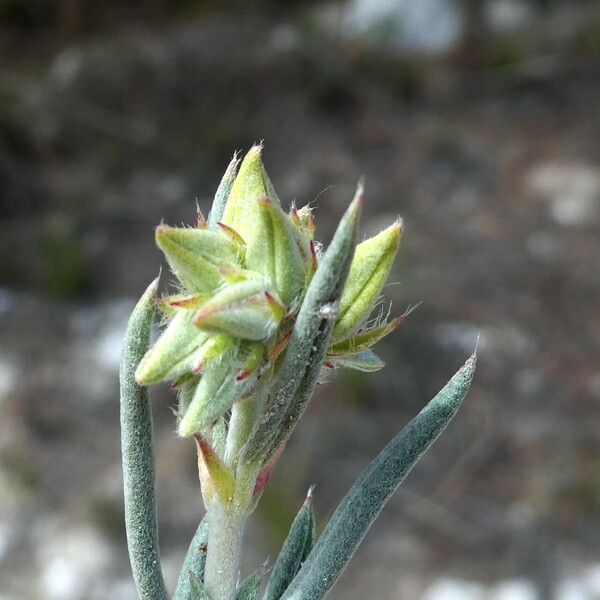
[(196, 255), (219, 436), (365, 499), (222, 383), (242, 211), (369, 270), (247, 310), (364, 339), (282, 262), (304, 220), (173, 354), (294, 551), (216, 479), (186, 388), (366, 361)]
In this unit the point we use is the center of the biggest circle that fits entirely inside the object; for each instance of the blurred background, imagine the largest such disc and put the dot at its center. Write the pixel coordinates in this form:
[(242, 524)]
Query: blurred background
[(478, 122)]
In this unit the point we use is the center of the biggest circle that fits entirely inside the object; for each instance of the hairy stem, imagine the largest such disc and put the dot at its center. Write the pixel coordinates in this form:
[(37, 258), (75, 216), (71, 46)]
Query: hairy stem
[(226, 529)]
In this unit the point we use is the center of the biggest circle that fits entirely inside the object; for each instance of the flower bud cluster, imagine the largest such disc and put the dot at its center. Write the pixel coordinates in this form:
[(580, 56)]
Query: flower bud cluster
[(243, 275)]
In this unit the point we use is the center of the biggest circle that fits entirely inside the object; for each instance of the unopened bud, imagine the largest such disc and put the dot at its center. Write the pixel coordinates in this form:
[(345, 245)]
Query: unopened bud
[(247, 310), (196, 255), (369, 270)]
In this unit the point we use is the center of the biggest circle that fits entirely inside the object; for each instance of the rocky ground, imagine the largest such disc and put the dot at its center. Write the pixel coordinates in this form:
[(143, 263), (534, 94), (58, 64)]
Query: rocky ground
[(492, 158)]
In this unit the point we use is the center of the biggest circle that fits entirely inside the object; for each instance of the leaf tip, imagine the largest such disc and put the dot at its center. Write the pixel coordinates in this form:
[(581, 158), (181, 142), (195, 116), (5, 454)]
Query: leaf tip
[(309, 495)]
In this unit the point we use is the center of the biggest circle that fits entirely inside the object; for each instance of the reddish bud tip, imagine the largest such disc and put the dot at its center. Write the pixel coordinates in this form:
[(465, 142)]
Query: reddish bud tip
[(201, 220), (232, 233), (243, 375), (198, 367)]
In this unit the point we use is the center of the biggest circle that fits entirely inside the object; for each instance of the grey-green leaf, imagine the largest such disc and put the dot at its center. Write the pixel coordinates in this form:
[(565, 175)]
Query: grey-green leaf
[(308, 344), (311, 538), (249, 589), (194, 563), (295, 549), (197, 589), (370, 492), (223, 191), (138, 458), (366, 361)]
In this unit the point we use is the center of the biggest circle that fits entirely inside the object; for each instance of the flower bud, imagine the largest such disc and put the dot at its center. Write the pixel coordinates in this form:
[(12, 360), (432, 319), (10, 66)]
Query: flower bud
[(173, 354), (242, 211), (223, 382), (283, 262), (247, 310), (196, 255), (304, 220), (370, 267)]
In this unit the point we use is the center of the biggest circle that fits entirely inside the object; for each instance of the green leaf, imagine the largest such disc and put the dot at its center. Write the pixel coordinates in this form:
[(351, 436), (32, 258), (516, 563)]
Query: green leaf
[(366, 361), (294, 551), (197, 589), (361, 505), (138, 458), (193, 565), (309, 341)]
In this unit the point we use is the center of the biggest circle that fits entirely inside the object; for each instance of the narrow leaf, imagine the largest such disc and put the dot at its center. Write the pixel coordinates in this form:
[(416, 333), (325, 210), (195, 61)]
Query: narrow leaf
[(295, 549), (249, 589), (365, 339), (370, 492), (308, 343), (366, 361), (193, 565), (197, 589), (223, 191), (138, 458)]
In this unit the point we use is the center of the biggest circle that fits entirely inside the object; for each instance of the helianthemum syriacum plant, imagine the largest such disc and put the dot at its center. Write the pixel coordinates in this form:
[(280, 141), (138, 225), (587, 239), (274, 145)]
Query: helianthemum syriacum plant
[(258, 314)]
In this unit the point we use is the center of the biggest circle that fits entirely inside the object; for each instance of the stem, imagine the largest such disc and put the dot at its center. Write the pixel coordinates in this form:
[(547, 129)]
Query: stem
[(226, 530), (243, 417), (227, 522), (138, 459)]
